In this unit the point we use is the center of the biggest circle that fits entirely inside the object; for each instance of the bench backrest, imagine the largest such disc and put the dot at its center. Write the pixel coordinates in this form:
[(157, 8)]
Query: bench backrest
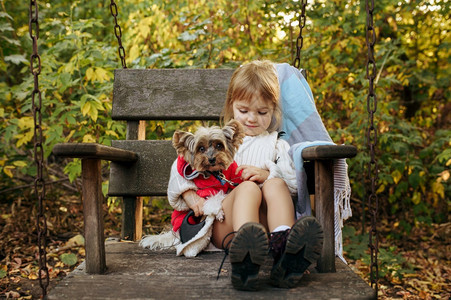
[(168, 94)]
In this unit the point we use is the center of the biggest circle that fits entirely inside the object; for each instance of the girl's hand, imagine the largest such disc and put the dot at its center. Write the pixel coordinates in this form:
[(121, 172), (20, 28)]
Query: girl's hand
[(252, 173), (195, 202)]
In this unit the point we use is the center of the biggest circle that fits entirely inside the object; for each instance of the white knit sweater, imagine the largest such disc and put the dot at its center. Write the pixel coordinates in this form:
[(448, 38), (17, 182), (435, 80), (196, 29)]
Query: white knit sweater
[(264, 151)]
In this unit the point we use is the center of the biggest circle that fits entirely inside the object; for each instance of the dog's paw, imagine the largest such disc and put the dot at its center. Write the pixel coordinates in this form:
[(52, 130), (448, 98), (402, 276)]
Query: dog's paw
[(220, 216), (213, 205)]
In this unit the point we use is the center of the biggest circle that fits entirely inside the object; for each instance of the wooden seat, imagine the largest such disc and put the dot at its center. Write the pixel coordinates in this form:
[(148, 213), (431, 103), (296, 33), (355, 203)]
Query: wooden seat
[(136, 273), (141, 167)]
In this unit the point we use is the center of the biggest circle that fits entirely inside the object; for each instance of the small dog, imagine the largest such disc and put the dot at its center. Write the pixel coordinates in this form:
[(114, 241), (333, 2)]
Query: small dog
[(209, 151), (206, 158)]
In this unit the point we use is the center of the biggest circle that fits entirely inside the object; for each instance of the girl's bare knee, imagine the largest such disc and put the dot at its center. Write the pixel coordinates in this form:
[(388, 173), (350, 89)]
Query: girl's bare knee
[(248, 187), (274, 182), (275, 185)]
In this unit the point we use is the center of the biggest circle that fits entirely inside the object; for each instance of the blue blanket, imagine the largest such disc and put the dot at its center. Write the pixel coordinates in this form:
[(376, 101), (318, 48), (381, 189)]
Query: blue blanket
[(304, 128)]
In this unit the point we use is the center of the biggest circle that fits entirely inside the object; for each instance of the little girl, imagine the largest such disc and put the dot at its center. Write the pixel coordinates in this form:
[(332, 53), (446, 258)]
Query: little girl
[(263, 201)]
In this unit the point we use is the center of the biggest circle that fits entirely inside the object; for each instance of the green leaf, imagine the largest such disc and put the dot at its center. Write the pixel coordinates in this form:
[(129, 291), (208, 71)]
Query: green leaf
[(69, 259), (414, 179), (16, 59), (4, 14), (6, 27)]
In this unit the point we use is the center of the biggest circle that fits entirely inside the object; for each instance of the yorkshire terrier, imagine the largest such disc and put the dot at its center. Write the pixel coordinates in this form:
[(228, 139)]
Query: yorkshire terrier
[(206, 157)]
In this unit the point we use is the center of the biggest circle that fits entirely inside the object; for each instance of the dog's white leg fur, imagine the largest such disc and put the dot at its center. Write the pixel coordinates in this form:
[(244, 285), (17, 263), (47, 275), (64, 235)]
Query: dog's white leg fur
[(213, 206), (212, 209), (164, 240)]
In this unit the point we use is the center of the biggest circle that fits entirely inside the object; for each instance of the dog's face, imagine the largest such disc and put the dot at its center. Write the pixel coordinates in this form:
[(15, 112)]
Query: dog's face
[(210, 148)]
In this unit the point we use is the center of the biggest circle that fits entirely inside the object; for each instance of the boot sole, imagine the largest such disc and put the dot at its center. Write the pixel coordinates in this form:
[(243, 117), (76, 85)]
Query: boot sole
[(304, 245), (248, 252)]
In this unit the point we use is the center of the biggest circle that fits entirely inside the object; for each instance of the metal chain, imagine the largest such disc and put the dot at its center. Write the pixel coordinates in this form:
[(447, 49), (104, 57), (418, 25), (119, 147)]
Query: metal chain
[(300, 38), (118, 33), (39, 183), (371, 142)]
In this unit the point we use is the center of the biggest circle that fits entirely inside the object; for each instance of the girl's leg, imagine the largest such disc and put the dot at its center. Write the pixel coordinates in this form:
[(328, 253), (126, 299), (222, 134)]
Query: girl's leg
[(248, 246), (240, 206), (278, 202), (295, 249)]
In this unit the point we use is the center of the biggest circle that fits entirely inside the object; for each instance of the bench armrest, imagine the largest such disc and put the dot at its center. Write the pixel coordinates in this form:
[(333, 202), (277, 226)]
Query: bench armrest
[(329, 152), (94, 151)]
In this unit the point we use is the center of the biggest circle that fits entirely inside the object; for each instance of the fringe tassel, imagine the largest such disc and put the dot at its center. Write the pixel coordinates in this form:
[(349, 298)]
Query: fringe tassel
[(342, 203)]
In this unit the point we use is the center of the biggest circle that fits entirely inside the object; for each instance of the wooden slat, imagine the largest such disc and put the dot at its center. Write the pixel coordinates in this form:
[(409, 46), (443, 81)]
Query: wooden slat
[(149, 176), (169, 94), (94, 151), (329, 152), (136, 273)]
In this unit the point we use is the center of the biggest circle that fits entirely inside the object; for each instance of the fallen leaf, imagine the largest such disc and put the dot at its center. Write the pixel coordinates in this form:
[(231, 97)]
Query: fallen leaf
[(12, 294), (69, 259)]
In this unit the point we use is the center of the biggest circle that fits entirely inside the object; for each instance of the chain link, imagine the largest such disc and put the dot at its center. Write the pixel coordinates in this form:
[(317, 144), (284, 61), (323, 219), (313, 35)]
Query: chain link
[(300, 38), (118, 33), (373, 202), (39, 183)]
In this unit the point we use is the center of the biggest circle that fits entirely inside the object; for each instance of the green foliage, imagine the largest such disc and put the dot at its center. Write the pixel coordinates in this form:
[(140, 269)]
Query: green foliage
[(3, 271), (79, 54), (391, 262)]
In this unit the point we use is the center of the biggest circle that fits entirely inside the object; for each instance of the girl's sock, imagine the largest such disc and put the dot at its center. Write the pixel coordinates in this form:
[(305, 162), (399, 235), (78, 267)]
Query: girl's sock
[(281, 228)]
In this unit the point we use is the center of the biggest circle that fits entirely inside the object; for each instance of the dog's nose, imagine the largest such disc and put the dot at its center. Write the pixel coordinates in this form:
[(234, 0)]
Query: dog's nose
[(212, 160)]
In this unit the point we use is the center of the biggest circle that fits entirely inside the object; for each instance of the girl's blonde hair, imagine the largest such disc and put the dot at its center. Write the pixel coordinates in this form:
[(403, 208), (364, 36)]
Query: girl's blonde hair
[(257, 77)]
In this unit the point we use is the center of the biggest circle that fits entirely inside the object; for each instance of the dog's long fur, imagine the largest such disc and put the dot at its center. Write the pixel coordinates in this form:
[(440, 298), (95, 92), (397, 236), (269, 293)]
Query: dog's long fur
[(210, 148)]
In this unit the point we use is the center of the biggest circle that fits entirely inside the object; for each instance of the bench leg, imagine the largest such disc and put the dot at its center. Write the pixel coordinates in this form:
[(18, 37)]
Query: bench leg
[(132, 208), (93, 216), (325, 211), (128, 218)]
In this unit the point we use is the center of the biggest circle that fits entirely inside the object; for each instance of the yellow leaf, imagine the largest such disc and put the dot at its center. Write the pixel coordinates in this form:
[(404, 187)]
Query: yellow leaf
[(86, 108), (380, 189), (93, 113), (134, 52), (90, 75), (88, 139), (20, 163), (330, 69), (23, 138), (144, 27), (445, 175), (397, 175), (7, 171), (111, 132), (69, 135), (102, 74), (416, 198), (2, 112), (438, 188), (26, 122)]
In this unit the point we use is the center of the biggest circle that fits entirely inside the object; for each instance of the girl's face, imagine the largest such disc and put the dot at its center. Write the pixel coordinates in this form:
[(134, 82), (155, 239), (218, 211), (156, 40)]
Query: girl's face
[(254, 115)]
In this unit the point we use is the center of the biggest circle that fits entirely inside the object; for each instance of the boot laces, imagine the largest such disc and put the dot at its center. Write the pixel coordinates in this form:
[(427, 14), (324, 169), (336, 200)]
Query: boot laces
[(226, 248)]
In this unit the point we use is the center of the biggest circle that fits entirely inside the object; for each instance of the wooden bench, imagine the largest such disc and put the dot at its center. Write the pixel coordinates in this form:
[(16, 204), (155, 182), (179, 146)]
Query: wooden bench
[(141, 167)]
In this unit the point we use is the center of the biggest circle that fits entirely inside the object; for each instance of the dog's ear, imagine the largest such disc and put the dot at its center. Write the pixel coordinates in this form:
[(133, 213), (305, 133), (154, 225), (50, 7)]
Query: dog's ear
[(183, 141), (234, 132)]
